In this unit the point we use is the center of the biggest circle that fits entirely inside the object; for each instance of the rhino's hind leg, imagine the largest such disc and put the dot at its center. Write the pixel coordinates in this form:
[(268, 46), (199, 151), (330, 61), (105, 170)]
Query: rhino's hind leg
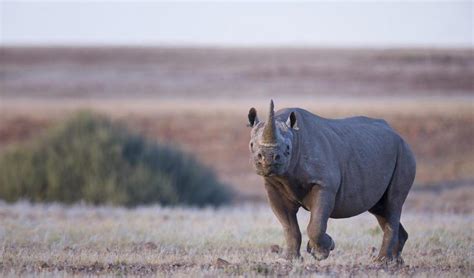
[(389, 208), (393, 240), (402, 238), (388, 211)]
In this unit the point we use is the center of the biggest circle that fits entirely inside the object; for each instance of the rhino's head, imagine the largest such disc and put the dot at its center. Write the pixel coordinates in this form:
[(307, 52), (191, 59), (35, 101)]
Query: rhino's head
[(271, 143)]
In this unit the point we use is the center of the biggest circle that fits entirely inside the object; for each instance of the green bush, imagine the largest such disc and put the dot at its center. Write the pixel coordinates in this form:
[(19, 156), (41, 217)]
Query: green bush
[(93, 159)]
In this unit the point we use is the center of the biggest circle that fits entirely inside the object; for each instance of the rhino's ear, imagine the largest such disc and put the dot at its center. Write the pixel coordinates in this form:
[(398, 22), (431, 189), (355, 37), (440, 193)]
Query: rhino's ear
[(291, 122), (253, 119)]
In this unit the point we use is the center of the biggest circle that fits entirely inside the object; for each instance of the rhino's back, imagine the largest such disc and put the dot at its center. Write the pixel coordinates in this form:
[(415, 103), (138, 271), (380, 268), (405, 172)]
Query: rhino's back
[(347, 129), (361, 150)]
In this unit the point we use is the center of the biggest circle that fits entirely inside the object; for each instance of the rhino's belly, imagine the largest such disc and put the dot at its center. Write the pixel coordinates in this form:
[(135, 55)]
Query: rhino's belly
[(357, 197)]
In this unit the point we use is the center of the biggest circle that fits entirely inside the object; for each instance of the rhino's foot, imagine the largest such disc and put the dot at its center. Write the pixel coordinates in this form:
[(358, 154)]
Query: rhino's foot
[(318, 252), (389, 261)]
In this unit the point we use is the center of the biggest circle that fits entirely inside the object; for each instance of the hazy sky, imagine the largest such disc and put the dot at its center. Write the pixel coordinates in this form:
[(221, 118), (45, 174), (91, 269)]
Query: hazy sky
[(315, 23)]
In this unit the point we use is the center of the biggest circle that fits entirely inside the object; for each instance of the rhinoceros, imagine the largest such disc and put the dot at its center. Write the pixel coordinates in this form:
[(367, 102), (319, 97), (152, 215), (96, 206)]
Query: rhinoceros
[(334, 168)]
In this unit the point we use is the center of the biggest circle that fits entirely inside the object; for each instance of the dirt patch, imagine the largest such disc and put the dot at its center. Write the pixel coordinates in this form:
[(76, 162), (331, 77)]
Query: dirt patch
[(449, 199), (21, 128)]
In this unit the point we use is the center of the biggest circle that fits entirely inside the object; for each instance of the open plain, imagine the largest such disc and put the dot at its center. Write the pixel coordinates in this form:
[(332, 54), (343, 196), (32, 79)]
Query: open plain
[(198, 100)]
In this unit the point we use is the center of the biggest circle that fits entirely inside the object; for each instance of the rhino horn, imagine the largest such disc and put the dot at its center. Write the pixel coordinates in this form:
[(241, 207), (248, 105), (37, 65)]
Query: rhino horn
[(269, 131)]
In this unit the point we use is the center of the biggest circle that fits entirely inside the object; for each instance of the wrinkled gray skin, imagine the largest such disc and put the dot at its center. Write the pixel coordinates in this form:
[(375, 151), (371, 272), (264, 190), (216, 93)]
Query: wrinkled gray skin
[(334, 168)]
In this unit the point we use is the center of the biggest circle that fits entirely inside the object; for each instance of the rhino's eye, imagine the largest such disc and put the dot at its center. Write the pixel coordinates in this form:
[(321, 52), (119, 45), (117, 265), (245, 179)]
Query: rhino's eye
[(251, 146), (287, 147)]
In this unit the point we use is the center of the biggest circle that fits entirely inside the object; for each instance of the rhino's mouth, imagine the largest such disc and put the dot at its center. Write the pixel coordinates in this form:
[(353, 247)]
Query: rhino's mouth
[(268, 172)]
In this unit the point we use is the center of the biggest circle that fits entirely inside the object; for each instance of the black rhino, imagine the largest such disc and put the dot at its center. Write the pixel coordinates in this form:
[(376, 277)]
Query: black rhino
[(334, 168)]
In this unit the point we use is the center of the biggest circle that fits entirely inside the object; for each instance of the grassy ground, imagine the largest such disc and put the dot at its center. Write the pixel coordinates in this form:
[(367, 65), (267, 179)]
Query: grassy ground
[(57, 240)]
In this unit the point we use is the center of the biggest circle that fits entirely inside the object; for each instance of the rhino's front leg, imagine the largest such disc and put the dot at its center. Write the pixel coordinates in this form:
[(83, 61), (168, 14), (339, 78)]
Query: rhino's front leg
[(286, 214), (320, 243)]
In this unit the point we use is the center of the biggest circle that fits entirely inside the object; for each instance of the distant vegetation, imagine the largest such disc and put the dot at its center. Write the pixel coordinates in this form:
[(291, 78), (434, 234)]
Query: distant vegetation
[(93, 159)]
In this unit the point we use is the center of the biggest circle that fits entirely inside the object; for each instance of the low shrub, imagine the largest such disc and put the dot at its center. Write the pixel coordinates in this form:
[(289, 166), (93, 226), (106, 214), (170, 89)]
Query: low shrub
[(93, 159)]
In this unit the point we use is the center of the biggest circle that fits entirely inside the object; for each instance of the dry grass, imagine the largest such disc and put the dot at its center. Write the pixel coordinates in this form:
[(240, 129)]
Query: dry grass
[(56, 240)]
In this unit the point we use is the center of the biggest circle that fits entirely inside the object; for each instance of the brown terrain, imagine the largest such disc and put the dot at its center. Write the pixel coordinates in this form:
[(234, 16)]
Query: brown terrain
[(233, 73), (198, 99)]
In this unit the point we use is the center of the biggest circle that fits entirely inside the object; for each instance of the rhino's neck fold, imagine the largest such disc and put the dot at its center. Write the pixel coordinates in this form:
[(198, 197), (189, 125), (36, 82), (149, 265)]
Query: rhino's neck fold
[(295, 153)]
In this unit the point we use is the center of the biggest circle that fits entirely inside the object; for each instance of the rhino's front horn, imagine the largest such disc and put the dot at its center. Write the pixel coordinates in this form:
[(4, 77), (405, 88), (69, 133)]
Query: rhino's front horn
[(269, 131)]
